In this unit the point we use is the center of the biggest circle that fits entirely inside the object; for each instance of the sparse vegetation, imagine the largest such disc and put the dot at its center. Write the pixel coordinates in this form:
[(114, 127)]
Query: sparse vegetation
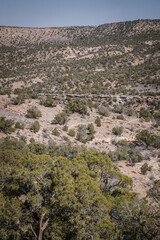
[(33, 112), (6, 125), (35, 126)]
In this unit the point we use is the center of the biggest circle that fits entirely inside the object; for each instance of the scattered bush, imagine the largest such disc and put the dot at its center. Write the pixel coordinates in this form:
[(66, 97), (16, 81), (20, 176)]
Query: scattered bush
[(145, 168), (102, 110), (19, 125), (77, 105), (60, 118), (120, 117), (35, 127), (33, 112), (118, 109), (71, 133), (19, 100), (117, 131), (148, 138), (48, 102), (65, 128), (6, 125), (55, 132), (144, 113), (85, 133), (98, 121), (126, 153)]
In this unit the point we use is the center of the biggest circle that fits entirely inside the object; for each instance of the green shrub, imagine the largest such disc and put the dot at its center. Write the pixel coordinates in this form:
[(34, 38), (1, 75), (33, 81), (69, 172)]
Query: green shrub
[(71, 133), (35, 127), (19, 100), (148, 138), (77, 105), (145, 168), (6, 125), (85, 133), (48, 102), (33, 112), (60, 118), (102, 110), (19, 125), (118, 109), (65, 128), (120, 117), (98, 121), (117, 131), (55, 132), (144, 113)]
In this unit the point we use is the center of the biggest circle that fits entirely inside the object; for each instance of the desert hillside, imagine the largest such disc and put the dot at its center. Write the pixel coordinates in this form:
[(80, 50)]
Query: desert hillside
[(65, 91)]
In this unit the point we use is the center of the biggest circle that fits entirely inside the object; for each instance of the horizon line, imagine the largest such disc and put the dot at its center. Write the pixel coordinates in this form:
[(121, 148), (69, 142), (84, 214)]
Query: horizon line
[(145, 19)]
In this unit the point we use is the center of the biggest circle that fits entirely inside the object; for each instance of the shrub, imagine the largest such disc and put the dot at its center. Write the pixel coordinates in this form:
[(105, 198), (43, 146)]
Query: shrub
[(55, 132), (145, 168), (102, 110), (48, 102), (35, 127), (85, 133), (33, 112), (129, 112), (98, 121), (77, 105), (148, 138), (71, 133), (144, 113), (118, 109), (19, 100), (60, 118), (6, 125), (65, 128), (117, 131), (120, 117), (126, 153), (19, 125)]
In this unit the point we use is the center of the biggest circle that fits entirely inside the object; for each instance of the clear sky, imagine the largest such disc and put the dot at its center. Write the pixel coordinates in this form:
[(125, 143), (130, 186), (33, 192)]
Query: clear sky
[(58, 13)]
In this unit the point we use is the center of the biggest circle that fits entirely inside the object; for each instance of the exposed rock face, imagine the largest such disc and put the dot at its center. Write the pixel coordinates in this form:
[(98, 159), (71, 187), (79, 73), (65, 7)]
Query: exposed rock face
[(17, 36)]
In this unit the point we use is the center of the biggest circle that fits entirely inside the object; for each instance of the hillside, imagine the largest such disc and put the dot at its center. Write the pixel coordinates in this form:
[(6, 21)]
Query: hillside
[(17, 36), (67, 90)]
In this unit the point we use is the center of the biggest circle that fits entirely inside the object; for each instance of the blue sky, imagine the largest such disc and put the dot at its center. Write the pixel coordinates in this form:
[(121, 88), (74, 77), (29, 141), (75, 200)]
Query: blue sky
[(58, 13)]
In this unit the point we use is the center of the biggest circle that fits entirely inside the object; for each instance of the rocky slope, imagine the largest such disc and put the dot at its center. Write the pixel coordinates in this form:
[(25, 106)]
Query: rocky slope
[(16, 36)]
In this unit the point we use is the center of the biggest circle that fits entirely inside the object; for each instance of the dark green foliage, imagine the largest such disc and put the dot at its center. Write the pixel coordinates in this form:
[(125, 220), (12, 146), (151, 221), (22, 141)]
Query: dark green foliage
[(55, 132), (33, 112), (18, 91), (117, 131), (6, 125), (154, 191), (98, 122), (60, 118), (19, 125), (120, 117), (65, 128), (126, 153), (48, 102), (19, 100), (80, 198), (85, 133), (145, 168), (157, 117), (77, 105), (144, 113), (148, 138), (71, 133), (35, 126)]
